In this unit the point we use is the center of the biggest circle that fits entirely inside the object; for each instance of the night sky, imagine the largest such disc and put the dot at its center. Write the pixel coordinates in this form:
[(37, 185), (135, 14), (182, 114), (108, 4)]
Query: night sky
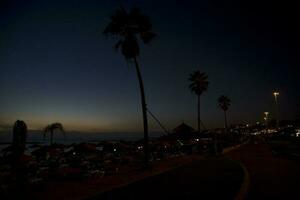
[(56, 65)]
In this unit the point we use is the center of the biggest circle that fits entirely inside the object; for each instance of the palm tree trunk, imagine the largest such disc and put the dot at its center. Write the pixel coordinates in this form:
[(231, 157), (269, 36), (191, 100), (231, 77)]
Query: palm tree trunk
[(199, 127), (225, 118), (51, 137), (144, 108)]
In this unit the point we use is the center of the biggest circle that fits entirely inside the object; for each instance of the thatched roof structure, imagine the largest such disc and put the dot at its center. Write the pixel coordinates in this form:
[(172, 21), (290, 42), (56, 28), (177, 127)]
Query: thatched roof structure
[(183, 129)]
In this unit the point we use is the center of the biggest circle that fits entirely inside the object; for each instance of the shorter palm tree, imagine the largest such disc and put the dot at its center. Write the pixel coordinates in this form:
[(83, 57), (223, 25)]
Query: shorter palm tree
[(198, 85), (51, 128), (224, 103)]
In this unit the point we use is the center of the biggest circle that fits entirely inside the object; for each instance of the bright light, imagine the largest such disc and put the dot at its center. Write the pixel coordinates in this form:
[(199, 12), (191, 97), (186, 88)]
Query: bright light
[(266, 113), (276, 94)]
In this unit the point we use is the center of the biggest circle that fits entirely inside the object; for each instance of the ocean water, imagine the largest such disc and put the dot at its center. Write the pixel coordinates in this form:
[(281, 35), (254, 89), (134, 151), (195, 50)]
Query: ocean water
[(73, 137), (77, 137)]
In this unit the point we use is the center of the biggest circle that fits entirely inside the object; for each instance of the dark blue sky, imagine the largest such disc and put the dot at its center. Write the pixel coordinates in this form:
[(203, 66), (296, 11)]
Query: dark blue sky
[(57, 66)]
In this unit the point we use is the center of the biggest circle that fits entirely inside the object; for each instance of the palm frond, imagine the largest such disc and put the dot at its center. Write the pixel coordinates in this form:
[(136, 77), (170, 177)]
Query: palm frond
[(147, 36), (118, 45), (52, 127), (130, 47), (224, 102), (47, 128), (128, 27), (58, 126), (199, 82)]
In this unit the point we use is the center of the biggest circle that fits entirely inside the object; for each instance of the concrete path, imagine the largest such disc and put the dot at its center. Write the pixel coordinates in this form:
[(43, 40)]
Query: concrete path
[(203, 179)]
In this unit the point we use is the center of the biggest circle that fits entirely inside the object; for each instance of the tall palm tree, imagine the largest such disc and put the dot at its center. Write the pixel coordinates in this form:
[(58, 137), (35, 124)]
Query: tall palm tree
[(51, 128), (224, 103), (129, 27), (198, 85)]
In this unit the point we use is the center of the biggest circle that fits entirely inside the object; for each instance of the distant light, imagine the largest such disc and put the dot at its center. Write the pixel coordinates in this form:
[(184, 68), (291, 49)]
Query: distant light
[(74, 153), (276, 94), (100, 148), (298, 133), (115, 150), (197, 140)]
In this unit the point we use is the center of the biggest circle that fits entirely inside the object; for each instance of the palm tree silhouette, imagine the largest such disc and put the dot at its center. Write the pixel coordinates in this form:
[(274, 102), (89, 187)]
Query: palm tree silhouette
[(198, 85), (129, 27), (51, 128), (224, 103)]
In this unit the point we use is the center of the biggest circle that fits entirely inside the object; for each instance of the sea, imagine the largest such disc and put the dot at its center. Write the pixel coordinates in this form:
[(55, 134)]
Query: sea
[(36, 137)]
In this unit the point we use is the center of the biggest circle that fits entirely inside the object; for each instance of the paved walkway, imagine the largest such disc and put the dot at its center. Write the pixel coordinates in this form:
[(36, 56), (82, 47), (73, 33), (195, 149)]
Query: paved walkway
[(203, 179), (270, 177), (77, 190), (198, 178)]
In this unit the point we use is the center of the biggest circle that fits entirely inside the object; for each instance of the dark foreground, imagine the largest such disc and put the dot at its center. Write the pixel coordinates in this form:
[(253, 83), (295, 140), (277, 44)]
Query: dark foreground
[(204, 179), (271, 177)]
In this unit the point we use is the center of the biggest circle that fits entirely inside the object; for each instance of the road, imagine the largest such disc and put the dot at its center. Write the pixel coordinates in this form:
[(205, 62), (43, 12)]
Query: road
[(271, 177)]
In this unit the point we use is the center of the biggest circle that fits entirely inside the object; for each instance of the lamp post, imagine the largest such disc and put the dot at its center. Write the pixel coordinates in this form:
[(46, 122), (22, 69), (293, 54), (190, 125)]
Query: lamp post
[(266, 119), (276, 94)]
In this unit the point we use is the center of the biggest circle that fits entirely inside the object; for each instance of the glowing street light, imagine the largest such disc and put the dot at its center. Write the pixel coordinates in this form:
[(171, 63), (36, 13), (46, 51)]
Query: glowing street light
[(266, 114), (276, 94), (266, 118)]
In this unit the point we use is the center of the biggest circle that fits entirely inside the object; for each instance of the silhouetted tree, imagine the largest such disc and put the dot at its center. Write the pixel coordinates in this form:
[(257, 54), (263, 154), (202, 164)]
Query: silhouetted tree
[(198, 85), (19, 173), (19, 138), (224, 103), (128, 27), (51, 128)]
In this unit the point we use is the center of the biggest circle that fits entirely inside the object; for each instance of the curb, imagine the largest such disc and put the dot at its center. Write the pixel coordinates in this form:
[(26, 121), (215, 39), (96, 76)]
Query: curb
[(245, 186), (241, 194), (232, 148)]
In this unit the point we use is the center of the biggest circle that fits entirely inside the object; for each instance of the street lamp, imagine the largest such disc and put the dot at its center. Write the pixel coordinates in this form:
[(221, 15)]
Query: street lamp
[(266, 116), (276, 94), (266, 119)]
